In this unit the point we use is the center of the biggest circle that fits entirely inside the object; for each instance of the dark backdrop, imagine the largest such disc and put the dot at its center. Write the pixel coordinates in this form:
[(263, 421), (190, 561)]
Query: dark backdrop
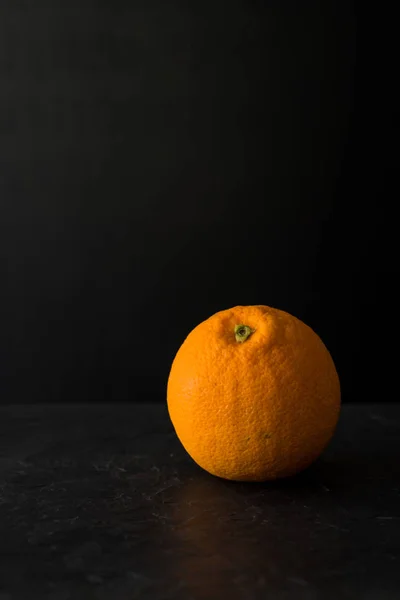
[(161, 161)]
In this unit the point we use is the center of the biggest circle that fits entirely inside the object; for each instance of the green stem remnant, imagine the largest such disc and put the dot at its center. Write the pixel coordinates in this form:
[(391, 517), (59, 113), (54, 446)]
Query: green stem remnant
[(242, 332)]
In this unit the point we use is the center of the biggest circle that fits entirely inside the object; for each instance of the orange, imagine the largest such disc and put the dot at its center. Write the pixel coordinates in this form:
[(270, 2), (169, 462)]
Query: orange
[(253, 394)]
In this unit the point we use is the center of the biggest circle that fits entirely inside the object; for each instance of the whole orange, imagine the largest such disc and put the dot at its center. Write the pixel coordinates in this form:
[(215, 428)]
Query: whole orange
[(253, 394)]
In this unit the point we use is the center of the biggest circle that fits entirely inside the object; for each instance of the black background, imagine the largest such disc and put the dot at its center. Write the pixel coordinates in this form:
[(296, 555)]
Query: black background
[(160, 161)]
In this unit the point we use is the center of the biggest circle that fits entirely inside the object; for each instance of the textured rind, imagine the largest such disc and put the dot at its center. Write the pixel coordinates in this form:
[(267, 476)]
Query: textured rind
[(259, 410)]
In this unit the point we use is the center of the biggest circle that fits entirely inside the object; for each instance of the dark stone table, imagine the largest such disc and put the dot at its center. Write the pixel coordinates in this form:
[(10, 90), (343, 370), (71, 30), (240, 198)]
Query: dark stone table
[(101, 502)]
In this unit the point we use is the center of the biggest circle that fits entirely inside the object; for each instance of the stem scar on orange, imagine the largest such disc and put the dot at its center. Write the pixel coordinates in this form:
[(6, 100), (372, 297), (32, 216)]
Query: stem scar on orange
[(253, 394)]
